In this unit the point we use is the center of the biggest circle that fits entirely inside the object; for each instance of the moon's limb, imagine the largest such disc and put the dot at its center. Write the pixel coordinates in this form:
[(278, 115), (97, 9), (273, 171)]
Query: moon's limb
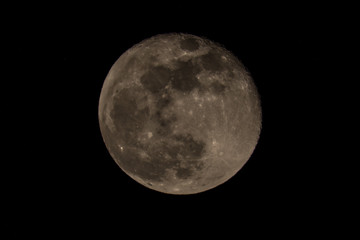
[(179, 114)]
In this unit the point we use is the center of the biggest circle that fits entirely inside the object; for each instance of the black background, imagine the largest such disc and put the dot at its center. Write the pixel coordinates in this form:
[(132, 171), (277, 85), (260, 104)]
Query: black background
[(64, 181)]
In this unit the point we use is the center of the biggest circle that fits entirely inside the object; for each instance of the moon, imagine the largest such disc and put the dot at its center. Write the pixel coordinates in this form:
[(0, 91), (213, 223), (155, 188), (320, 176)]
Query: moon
[(179, 113)]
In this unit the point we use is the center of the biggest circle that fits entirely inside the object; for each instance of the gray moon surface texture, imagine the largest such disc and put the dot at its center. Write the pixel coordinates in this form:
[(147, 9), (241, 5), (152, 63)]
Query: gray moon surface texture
[(179, 113)]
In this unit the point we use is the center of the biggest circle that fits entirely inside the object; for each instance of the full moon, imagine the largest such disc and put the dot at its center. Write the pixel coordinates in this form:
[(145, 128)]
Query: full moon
[(179, 114)]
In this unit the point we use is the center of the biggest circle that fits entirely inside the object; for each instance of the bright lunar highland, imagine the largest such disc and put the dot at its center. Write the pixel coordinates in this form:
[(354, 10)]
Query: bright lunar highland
[(179, 114)]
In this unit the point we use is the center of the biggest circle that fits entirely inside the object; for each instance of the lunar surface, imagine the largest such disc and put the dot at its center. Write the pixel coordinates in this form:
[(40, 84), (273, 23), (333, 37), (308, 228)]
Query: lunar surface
[(179, 113)]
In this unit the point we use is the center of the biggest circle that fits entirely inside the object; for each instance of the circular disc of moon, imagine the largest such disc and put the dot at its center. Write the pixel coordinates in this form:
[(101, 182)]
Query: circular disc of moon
[(179, 114)]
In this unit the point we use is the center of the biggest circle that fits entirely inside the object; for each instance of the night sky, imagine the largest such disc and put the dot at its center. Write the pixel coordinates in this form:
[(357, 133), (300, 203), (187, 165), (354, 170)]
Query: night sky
[(63, 179)]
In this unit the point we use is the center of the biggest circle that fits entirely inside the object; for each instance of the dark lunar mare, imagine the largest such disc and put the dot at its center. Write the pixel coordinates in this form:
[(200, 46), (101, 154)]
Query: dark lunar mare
[(184, 77), (129, 119), (180, 153), (217, 87), (189, 44), (156, 79), (212, 61)]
